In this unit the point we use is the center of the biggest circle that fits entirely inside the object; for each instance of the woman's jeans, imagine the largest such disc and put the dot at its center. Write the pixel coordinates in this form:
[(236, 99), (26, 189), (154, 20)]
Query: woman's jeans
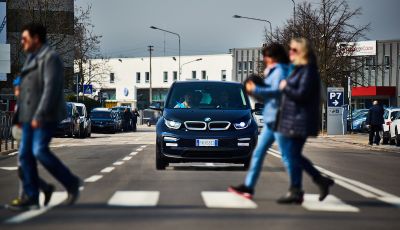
[(35, 146), (292, 148), (265, 141)]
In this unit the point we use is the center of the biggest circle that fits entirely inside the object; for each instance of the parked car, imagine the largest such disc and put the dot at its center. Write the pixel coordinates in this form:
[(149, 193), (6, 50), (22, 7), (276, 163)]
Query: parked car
[(126, 125), (70, 125), (258, 116), (216, 126), (395, 128), (85, 126), (151, 116), (104, 120), (386, 139), (359, 122)]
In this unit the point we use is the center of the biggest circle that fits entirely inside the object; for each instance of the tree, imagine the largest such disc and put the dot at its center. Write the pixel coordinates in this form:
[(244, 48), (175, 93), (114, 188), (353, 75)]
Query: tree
[(87, 47), (325, 25)]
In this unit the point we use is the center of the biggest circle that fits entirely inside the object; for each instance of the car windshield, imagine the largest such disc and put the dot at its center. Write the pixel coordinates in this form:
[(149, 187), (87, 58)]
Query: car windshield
[(80, 110), (101, 115), (69, 110), (207, 96)]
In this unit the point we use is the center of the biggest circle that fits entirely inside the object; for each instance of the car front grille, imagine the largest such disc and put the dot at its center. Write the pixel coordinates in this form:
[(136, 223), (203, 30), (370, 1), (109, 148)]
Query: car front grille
[(195, 125), (219, 125)]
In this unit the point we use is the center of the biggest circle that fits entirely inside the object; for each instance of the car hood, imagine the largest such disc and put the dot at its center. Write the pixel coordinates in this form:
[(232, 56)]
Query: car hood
[(201, 114)]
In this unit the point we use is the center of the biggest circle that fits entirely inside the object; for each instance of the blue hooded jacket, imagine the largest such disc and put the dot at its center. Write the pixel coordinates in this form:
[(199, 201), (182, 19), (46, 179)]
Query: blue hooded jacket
[(271, 92)]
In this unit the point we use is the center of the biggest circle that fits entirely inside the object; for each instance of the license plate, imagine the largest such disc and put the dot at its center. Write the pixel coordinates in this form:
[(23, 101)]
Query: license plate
[(207, 142)]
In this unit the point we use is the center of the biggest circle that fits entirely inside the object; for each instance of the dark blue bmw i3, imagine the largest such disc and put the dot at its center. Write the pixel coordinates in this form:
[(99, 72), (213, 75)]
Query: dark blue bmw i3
[(205, 121)]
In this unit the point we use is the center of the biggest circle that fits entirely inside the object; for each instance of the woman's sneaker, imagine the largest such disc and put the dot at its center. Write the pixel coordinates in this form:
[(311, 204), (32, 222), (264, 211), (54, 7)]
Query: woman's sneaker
[(242, 190), (23, 204)]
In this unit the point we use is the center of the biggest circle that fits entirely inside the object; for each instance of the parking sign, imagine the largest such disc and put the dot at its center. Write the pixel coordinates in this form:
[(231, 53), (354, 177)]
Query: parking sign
[(335, 97)]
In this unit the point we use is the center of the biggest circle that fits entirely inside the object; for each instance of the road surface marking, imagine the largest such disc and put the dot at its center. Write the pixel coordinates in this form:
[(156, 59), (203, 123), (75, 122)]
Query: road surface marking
[(226, 200), (56, 199), (133, 154), (126, 158), (107, 169), (93, 178), (134, 198), (13, 154), (210, 164), (118, 163), (330, 204), (143, 146), (355, 186), (9, 168), (139, 149)]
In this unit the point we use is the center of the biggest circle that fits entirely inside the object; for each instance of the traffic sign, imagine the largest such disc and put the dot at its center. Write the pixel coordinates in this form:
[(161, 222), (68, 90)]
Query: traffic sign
[(87, 89), (335, 97)]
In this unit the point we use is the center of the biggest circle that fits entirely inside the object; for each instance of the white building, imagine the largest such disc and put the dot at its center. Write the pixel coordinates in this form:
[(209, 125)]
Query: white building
[(127, 80)]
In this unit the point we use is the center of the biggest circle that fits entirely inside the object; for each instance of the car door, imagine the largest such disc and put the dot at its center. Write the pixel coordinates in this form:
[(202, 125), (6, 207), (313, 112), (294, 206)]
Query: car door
[(392, 129)]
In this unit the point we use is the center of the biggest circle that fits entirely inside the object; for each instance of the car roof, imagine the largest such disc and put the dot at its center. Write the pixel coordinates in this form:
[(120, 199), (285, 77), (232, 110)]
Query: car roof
[(101, 110), (393, 109), (78, 104)]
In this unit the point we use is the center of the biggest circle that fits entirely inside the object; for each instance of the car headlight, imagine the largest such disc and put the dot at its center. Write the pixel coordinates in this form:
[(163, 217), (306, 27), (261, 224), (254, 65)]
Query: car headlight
[(172, 124), (242, 124)]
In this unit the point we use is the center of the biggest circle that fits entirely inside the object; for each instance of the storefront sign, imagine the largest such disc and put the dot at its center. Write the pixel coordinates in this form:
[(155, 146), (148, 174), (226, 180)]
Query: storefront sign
[(363, 48)]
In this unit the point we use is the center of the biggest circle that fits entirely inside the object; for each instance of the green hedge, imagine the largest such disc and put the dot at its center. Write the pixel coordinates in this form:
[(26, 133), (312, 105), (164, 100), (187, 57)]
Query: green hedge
[(89, 102)]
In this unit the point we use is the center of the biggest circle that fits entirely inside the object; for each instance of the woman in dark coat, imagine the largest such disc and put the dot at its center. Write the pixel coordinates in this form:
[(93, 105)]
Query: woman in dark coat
[(298, 119)]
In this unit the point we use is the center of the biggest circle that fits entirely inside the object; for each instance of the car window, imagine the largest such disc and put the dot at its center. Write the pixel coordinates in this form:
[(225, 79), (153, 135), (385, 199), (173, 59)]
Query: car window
[(69, 110), (101, 115), (80, 110), (386, 114), (207, 96)]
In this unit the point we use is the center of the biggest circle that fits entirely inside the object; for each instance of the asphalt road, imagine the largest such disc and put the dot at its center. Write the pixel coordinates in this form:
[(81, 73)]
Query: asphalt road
[(124, 191)]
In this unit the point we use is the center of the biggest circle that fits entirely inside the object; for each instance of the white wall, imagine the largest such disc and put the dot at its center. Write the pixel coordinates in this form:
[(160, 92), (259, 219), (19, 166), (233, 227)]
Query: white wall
[(126, 69)]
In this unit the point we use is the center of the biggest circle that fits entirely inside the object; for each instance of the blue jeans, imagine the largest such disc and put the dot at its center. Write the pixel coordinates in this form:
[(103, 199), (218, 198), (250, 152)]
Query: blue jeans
[(35, 146), (265, 141), (292, 148)]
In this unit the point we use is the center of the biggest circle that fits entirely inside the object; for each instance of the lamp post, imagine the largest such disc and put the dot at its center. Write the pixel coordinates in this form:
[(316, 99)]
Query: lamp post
[(256, 19), (179, 43), (198, 59), (150, 49)]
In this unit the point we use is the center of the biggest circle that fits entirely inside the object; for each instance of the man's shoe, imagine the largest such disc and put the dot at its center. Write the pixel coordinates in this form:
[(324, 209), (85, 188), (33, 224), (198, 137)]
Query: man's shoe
[(293, 196), (48, 193), (22, 205), (73, 193), (324, 183), (242, 190)]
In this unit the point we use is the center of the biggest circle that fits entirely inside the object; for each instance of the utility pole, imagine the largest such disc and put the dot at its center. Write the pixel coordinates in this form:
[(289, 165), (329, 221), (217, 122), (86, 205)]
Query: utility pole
[(150, 49)]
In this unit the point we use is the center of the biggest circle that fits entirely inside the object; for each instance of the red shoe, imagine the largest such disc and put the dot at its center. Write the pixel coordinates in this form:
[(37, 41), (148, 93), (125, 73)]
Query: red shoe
[(242, 190)]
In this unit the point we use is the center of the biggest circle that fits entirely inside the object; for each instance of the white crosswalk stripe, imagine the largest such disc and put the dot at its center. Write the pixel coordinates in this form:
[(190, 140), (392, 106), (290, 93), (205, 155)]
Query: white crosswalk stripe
[(330, 204), (213, 199), (134, 198)]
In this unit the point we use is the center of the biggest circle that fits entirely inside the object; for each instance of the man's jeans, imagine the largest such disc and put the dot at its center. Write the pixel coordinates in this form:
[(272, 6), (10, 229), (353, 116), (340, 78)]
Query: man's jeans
[(265, 141), (35, 146), (292, 149), (374, 136)]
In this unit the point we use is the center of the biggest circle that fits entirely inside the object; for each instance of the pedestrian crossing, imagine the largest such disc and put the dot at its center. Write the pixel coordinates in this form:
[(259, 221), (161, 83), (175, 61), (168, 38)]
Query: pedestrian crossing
[(226, 200)]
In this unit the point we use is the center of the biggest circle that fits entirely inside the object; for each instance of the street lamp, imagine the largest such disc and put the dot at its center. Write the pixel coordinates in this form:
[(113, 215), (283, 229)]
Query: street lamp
[(198, 59), (179, 41), (256, 19)]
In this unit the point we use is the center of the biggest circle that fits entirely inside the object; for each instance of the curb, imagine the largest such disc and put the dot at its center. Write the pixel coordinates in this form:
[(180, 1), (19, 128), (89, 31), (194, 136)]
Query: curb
[(5, 153), (363, 145)]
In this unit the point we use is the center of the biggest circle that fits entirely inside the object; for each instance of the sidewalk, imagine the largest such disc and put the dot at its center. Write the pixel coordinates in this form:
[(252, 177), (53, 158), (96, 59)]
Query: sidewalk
[(360, 139)]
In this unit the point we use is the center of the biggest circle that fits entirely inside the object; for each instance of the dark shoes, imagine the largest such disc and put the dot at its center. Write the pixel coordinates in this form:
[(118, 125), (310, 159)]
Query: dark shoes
[(23, 204), (293, 196), (242, 190), (73, 193), (48, 193), (324, 183)]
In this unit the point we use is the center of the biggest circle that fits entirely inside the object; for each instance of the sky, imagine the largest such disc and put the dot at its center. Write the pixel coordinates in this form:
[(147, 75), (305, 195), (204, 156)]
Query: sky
[(207, 26)]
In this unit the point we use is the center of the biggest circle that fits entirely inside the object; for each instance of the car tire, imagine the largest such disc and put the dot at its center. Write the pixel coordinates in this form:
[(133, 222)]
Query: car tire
[(385, 140), (397, 137), (161, 164), (70, 132), (148, 124)]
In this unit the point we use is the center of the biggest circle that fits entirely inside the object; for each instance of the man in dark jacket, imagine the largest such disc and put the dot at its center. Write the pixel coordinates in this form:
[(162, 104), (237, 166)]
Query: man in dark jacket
[(41, 107), (374, 122)]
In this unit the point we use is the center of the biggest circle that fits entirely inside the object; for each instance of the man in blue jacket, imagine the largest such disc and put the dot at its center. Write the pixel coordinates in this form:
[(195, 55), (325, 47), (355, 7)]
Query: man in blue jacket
[(374, 122)]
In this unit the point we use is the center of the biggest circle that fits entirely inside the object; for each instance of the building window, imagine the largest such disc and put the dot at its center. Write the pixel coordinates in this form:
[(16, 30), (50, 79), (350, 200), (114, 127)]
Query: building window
[(175, 75), (251, 66), (112, 77), (244, 66), (203, 75), (147, 77), (398, 61), (240, 66), (223, 75), (137, 77), (387, 61), (165, 78), (193, 74)]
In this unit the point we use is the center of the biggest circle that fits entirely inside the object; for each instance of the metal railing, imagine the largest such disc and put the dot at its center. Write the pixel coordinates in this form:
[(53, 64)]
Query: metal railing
[(7, 141)]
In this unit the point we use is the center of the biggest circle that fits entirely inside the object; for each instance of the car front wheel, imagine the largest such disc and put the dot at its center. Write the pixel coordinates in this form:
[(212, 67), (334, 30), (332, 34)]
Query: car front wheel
[(161, 164)]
